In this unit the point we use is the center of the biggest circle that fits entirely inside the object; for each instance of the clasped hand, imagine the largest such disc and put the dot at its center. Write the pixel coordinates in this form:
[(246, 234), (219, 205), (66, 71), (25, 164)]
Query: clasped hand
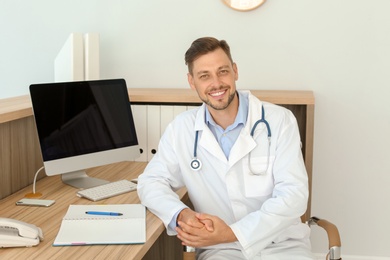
[(200, 230)]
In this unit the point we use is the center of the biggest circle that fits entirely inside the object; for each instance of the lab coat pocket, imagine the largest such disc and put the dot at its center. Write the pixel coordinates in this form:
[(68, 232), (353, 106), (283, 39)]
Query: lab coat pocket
[(260, 182)]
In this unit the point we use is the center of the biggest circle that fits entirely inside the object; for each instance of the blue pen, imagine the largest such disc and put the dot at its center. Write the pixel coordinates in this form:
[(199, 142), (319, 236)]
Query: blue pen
[(103, 213)]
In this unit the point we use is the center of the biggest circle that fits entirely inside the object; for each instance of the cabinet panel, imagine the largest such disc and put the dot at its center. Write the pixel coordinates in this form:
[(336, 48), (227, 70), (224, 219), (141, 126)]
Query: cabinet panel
[(167, 115), (140, 117), (153, 129)]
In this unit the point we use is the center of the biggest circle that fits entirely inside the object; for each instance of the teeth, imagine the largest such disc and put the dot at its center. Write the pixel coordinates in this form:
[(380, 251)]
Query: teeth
[(217, 94)]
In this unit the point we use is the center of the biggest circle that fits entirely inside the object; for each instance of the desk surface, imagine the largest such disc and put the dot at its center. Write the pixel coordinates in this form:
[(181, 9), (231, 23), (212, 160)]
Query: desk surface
[(49, 219)]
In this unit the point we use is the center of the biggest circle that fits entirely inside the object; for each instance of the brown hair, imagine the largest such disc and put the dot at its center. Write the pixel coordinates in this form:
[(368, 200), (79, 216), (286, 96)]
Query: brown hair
[(203, 46)]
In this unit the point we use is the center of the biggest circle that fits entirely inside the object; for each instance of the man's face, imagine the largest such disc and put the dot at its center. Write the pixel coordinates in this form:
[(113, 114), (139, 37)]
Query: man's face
[(214, 78)]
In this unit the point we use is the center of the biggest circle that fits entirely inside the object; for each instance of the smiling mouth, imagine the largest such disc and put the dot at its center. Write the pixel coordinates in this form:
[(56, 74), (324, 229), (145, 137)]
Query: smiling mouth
[(218, 93)]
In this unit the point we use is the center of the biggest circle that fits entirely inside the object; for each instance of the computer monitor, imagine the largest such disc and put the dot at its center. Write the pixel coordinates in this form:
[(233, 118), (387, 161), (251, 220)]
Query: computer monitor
[(83, 124)]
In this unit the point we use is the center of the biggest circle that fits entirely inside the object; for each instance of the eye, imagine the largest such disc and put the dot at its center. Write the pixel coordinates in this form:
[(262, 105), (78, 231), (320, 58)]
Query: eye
[(223, 72), (203, 76)]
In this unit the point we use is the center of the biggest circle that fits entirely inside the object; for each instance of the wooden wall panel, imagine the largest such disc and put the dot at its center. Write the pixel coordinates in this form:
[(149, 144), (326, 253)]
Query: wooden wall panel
[(5, 160), (20, 156)]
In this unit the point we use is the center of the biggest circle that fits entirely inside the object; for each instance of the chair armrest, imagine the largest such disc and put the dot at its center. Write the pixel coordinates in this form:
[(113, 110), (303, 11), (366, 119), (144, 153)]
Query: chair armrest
[(333, 236), (188, 253)]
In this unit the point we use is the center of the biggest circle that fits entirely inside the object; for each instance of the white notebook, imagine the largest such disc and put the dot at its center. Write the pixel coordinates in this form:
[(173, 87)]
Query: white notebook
[(79, 228)]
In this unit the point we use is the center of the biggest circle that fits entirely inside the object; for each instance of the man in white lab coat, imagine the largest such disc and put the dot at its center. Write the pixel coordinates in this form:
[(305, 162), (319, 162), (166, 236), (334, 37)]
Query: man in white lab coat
[(246, 178)]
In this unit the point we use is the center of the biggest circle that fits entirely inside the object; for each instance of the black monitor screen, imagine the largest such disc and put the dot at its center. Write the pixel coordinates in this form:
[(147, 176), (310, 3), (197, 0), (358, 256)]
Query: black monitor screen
[(76, 118)]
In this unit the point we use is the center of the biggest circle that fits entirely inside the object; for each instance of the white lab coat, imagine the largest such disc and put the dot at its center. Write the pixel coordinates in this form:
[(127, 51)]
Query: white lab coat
[(259, 209)]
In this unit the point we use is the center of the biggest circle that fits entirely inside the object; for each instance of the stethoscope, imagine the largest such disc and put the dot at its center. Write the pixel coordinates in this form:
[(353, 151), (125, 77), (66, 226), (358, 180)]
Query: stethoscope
[(196, 164)]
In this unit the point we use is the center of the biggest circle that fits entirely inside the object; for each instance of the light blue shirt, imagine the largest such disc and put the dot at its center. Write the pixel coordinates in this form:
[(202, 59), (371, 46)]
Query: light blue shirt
[(227, 137)]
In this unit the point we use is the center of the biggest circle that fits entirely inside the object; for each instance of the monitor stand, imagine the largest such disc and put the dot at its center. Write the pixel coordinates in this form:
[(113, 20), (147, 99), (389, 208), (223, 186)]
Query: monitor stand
[(81, 180)]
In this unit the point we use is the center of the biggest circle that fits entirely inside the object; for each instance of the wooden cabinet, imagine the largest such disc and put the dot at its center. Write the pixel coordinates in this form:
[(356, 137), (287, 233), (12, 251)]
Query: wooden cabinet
[(20, 155)]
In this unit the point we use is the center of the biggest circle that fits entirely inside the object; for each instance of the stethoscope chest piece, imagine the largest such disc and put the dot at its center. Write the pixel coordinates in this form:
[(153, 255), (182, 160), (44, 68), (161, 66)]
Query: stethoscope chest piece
[(195, 164)]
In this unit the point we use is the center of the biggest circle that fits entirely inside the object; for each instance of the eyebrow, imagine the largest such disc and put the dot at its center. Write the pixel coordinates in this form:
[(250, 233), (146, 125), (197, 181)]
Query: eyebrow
[(206, 71)]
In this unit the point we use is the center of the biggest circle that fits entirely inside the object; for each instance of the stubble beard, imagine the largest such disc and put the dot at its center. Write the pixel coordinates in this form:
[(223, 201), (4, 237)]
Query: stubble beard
[(220, 105)]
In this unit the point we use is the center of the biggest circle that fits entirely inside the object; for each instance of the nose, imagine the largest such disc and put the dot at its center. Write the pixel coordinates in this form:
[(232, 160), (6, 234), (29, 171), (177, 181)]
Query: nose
[(216, 81)]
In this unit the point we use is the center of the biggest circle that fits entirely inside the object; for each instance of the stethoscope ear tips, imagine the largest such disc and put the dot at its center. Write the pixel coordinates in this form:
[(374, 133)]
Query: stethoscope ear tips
[(195, 164)]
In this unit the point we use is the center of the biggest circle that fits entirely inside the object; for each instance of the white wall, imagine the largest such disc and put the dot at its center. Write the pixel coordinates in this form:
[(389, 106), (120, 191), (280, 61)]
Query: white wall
[(338, 49)]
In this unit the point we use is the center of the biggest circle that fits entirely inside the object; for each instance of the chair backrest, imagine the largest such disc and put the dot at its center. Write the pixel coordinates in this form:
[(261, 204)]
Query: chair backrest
[(305, 118)]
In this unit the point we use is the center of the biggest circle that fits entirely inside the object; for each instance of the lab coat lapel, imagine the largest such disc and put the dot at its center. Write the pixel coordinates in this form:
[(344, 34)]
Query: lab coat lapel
[(209, 143), (206, 138), (245, 143)]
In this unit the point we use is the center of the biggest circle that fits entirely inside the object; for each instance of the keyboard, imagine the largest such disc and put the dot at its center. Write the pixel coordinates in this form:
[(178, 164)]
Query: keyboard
[(107, 190)]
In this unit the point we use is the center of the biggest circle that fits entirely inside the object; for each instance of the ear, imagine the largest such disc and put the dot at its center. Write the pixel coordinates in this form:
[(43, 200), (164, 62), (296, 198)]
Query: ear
[(190, 79), (235, 69)]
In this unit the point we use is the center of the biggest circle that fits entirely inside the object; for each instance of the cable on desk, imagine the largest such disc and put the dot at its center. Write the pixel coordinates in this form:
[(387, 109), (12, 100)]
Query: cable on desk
[(33, 194)]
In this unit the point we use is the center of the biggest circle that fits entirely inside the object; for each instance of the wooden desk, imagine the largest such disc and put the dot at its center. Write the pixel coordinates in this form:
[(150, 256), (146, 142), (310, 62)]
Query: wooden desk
[(49, 219)]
